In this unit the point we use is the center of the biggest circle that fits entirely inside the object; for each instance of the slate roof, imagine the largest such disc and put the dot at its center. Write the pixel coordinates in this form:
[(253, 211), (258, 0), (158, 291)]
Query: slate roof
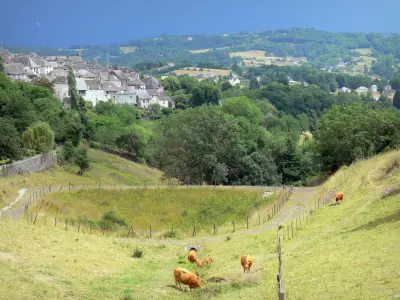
[(14, 69), (135, 82), (142, 95), (84, 73), (151, 82), (120, 75), (93, 84), (60, 80), (109, 87)]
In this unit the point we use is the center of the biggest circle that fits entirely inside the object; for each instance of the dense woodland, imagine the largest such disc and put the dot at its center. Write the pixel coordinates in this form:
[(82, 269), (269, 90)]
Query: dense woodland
[(218, 134)]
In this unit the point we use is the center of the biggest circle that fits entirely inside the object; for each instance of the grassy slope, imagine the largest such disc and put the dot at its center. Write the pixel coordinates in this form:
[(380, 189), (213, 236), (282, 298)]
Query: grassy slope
[(160, 208), (109, 169), (350, 251)]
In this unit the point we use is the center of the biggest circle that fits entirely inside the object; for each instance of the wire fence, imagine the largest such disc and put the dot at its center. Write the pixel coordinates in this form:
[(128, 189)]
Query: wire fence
[(34, 215)]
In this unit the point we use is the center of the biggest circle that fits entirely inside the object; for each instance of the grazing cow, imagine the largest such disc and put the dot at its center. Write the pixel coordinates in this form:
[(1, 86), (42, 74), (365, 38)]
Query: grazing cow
[(266, 195), (192, 256), (339, 197), (208, 260), (186, 277), (247, 262)]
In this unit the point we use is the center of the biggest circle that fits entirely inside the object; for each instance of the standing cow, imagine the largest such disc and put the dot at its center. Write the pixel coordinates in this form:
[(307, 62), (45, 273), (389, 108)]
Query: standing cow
[(247, 262), (339, 197), (186, 277)]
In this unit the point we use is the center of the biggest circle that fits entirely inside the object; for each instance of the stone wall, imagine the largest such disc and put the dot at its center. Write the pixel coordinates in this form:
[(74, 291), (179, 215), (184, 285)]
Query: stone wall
[(33, 164)]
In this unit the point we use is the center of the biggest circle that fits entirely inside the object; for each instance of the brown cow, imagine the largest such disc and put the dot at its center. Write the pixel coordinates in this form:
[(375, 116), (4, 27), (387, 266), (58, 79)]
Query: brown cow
[(247, 262), (192, 256), (186, 277), (339, 197)]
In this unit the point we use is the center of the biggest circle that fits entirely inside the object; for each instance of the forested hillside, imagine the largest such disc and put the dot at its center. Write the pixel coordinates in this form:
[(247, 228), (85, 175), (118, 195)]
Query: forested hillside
[(270, 132), (377, 52)]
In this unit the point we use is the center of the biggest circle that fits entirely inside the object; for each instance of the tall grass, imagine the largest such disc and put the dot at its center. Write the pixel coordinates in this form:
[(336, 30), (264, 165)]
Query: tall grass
[(161, 208)]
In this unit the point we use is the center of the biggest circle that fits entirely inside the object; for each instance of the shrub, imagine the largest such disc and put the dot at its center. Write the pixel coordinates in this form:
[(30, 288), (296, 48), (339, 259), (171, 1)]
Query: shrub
[(94, 145), (170, 234), (82, 160), (228, 238), (39, 137), (29, 152), (137, 253), (111, 217)]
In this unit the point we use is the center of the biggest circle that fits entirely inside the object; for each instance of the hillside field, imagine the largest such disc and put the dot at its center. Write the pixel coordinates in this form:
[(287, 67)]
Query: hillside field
[(162, 208), (106, 168), (348, 251), (197, 71), (126, 50)]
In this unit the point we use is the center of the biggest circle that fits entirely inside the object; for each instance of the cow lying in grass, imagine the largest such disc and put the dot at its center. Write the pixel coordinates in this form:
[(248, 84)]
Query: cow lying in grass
[(200, 263), (186, 277)]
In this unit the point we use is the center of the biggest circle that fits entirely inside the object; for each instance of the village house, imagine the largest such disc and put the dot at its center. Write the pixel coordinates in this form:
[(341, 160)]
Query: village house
[(110, 89), (234, 80), (61, 90), (127, 98), (94, 92), (16, 71), (362, 90), (143, 98), (345, 90)]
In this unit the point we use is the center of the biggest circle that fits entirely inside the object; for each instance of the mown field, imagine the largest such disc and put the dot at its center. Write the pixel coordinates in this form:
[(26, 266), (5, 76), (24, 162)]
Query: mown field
[(197, 71), (106, 168), (349, 251), (162, 208), (126, 50)]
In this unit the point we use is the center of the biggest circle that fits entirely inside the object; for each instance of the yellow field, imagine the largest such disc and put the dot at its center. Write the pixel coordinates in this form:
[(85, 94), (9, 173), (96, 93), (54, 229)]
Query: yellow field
[(199, 51), (249, 54), (196, 71), (256, 58), (364, 51), (126, 50)]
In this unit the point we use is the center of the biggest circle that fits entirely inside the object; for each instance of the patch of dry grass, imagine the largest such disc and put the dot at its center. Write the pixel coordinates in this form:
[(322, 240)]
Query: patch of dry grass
[(197, 71)]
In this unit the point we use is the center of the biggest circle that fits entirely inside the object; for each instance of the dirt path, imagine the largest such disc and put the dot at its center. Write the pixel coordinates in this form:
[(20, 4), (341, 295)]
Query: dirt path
[(21, 194)]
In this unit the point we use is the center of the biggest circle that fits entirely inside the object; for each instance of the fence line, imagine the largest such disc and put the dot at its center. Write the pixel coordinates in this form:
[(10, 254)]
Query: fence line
[(82, 226)]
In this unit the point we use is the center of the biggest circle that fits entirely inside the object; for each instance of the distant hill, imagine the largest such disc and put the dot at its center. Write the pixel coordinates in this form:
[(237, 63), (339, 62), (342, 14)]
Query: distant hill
[(320, 48)]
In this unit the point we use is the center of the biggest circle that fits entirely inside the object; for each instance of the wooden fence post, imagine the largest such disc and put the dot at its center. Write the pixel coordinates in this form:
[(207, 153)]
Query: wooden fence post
[(292, 228), (79, 226), (281, 293), (215, 229), (259, 219), (55, 222), (297, 228), (90, 228), (233, 226), (34, 222), (104, 228), (247, 222), (66, 224), (150, 231), (288, 232), (172, 228), (194, 229)]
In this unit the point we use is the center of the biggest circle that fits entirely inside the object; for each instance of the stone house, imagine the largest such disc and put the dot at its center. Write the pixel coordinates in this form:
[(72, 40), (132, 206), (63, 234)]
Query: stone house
[(94, 92), (110, 90), (143, 98), (16, 71), (127, 97), (61, 89)]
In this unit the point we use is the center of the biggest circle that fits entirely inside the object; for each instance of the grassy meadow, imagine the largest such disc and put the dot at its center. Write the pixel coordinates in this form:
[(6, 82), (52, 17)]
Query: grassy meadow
[(348, 251), (197, 71), (106, 168), (162, 208)]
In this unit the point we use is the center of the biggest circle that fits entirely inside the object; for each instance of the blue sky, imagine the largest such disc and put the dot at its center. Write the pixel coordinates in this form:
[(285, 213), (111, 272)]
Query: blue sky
[(61, 23)]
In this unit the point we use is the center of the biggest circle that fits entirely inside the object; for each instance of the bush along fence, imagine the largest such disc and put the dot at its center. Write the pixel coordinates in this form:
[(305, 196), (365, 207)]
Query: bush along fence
[(122, 229)]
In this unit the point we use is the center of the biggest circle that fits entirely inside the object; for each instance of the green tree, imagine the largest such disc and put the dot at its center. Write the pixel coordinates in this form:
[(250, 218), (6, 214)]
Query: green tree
[(205, 93), (365, 70), (304, 122), (133, 141), (1, 65), (171, 83), (39, 137), (182, 101), (396, 100), (154, 111), (395, 83), (243, 107), (10, 141), (254, 84), (82, 160), (236, 69), (44, 82), (349, 132), (226, 86), (68, 151), (73, 93)]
